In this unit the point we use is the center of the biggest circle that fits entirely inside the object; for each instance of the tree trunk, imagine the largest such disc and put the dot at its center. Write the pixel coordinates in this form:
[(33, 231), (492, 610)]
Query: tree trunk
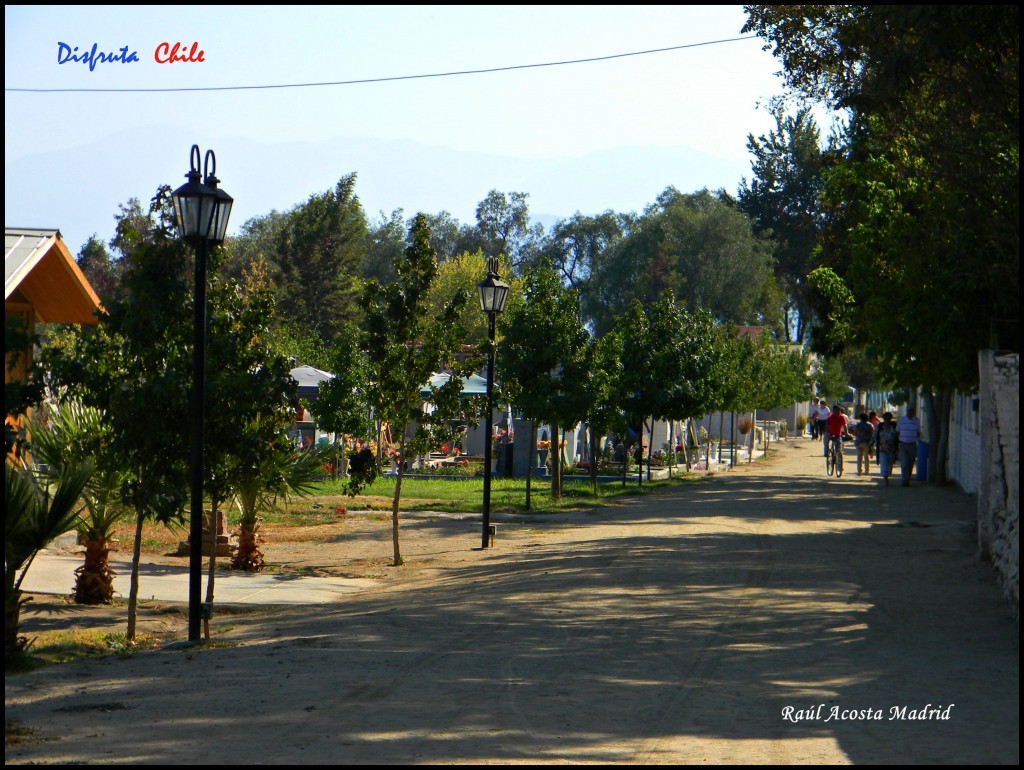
[(212, 567), (94, 580), (753, 438), (650, 448), (13, 602), (594, 458), (672, 445), (248, 557), (640, 456), (937, 408), (721, 434), (533, 457), (556, 463), (133, 591), (732, 441), (625, 457), (395, 504)]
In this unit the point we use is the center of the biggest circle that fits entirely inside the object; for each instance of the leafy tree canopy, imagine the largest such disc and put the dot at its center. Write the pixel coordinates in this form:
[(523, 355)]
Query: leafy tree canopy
[(320, 250), (783, 200), (700, 246), (923, 201)]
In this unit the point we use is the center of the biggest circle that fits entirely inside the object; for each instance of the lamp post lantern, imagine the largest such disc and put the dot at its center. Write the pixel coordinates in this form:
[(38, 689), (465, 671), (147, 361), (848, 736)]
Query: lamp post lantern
[(201, 211), (493, 293)]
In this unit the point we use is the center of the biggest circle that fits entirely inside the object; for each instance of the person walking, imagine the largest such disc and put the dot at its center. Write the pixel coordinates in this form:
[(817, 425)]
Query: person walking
[(875, 422), (909, 429), (863, 440), (821, 416), (886, 441)]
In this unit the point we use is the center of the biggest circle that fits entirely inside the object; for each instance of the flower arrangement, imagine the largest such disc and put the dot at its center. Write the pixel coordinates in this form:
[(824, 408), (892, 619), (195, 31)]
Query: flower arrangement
[(547, 445), (501, 437)]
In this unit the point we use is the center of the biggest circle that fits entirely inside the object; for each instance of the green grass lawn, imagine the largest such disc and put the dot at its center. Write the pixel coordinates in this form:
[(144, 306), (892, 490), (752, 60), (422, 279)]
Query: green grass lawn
[(466, 495)]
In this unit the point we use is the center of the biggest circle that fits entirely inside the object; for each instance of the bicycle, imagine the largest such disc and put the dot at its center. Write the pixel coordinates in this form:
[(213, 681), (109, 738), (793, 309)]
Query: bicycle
[(834, 458)]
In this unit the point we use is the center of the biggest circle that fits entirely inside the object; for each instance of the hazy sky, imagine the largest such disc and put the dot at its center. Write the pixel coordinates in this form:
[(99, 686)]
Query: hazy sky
[(703, 98)]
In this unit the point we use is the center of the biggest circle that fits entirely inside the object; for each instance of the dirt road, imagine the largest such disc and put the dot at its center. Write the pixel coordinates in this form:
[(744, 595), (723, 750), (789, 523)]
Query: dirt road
[(769, 615)]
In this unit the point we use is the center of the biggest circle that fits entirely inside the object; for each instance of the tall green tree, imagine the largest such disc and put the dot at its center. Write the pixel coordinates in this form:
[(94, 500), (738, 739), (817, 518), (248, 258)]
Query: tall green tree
[(460, 275), (783, 200), (320, 252), (503, 222), (924, 198), (671, 364), (687, 361), (577, 246), (256, 243), (136, 368), (444, 235), (101, 268), (605, 415), (405, 345), (544, 359), (830, 378), (251, 401), (701, 247), (343, 404), (385, 242)]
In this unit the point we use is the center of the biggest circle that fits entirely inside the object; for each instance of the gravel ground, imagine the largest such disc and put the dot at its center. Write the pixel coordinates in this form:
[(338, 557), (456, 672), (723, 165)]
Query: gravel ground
[(769, 615)]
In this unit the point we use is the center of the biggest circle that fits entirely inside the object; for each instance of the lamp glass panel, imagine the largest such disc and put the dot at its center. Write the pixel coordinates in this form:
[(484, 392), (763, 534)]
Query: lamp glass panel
[(500, 296), (220, 218), (486, 297)]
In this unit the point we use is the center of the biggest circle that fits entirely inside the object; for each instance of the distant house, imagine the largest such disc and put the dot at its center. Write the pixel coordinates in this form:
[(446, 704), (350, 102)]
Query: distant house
[(42, 284)]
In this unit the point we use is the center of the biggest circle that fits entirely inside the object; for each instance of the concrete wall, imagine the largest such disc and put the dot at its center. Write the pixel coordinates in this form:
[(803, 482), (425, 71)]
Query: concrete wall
[(999, 477)]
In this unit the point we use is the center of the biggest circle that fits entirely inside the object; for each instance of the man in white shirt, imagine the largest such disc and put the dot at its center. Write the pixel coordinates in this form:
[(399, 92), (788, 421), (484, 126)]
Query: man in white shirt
[(909, 430), (823, 413)]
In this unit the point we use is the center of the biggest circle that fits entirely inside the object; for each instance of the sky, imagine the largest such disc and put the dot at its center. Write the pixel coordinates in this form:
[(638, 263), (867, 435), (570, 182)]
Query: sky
[(608, 134)]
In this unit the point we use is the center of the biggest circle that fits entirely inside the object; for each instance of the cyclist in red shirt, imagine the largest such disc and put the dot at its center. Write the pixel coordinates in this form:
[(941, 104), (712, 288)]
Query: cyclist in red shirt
[(836, 428)]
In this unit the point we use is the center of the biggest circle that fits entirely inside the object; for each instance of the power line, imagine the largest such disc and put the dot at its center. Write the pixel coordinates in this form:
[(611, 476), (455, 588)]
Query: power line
[(381, 80)]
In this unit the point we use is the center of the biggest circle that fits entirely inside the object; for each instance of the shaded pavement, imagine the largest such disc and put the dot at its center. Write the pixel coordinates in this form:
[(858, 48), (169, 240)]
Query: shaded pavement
[(689, 626)]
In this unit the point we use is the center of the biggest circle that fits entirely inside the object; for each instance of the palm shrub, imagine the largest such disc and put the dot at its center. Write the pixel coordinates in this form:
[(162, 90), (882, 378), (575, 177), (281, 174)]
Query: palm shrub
[(36, 510), (279, 473), (73, 433)]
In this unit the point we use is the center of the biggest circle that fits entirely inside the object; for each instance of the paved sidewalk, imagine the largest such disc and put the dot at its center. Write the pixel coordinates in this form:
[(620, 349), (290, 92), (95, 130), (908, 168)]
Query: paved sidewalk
[(52, 572)]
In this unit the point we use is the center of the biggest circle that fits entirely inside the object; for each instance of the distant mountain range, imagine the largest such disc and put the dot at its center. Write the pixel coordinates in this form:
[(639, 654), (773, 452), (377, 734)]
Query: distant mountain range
[(78, 190)]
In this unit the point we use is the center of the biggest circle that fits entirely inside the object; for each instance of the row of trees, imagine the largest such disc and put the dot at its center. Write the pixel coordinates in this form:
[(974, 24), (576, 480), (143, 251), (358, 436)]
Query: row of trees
[(657, 362), (712, 250)]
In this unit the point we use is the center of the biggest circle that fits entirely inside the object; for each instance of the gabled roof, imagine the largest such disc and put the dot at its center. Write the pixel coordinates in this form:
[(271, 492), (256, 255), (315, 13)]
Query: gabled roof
[(39, 270), (309, 379), (473, 385)]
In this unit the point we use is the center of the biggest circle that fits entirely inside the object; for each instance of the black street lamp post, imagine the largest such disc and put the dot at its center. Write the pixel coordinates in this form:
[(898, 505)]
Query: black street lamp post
[(201, 211), (493, 293)]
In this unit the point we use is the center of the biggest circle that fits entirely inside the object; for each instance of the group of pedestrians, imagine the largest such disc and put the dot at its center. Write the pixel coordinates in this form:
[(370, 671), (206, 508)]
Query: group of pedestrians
[(881, 439)]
